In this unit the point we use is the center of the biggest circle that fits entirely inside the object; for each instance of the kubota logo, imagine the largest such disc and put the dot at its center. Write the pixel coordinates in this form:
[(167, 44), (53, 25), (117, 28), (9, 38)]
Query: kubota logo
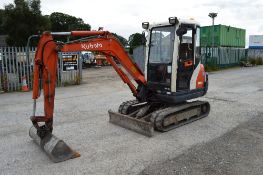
[(91, 46)]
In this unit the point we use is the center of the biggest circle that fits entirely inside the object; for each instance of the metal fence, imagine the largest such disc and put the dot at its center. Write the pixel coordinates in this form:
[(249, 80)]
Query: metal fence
[(16, 66), (222, 56), (255, 53)]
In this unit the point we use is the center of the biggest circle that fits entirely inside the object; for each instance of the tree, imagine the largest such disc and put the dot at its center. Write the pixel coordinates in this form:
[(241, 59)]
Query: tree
[(35, 7), (2, 19), (61, 22), (134, 41), (22, 19), (123, 40), (64, 22)]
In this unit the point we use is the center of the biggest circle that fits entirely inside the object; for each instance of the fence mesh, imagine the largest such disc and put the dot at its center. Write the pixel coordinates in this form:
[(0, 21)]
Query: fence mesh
[(16, 65)]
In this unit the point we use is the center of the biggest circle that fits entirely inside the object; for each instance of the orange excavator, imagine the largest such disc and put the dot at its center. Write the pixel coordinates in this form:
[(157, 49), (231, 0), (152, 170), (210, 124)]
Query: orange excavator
[(173, 75)]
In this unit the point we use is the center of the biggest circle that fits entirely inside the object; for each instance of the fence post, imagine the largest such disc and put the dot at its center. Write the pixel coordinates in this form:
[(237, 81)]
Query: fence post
[(60, 68), (29, 72), (80, 67), (1, 69), (12, 71), (17, 71), (9, 69), (219, 57)]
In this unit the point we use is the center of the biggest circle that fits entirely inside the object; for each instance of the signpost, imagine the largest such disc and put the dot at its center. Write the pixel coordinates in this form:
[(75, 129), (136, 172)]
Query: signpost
[(70, 61), (70, 68)]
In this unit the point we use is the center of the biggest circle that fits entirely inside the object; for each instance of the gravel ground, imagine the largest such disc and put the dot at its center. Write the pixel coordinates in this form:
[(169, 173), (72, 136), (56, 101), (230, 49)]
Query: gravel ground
[(81, 120)]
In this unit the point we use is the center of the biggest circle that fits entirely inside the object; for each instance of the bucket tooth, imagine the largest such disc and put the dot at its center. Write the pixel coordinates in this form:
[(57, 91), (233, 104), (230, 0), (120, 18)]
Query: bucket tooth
[(56, 149), (125, 121)]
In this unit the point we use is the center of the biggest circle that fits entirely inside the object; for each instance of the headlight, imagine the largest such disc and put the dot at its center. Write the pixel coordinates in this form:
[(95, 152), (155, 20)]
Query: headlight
[(173, 20), (145, 25)]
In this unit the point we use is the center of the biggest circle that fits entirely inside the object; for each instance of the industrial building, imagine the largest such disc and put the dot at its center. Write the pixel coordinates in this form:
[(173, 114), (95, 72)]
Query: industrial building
[(255, 48)]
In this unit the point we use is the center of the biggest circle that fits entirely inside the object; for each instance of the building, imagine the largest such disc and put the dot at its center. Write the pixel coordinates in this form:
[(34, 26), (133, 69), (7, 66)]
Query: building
[(255, 48)]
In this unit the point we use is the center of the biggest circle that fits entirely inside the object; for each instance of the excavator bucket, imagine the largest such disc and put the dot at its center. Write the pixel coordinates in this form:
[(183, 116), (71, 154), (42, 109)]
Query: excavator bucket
[(56, 149), (139, 126)]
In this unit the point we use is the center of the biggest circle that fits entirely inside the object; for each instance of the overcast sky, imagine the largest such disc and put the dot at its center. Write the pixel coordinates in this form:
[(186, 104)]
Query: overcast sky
[(124, 17)]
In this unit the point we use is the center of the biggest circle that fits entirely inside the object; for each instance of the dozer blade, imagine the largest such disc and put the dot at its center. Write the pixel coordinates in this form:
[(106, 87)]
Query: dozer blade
[(56, 149), (139, 126)]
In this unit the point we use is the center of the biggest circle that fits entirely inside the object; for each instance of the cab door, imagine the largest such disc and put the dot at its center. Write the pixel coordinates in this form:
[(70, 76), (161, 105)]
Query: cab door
[(159, 68), (186, 58)]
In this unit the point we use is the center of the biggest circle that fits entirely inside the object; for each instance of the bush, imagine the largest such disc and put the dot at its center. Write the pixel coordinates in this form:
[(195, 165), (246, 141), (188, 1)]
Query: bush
[(259, 61), (210, 68), (211, 65), (256, 61), (252, 61)]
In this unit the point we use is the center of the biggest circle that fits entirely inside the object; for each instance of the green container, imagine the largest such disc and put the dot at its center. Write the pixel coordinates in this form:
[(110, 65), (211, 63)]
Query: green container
[(224, 36)]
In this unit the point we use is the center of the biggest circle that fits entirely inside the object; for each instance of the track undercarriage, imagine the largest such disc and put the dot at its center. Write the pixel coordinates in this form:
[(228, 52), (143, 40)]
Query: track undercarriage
[(146, 117)]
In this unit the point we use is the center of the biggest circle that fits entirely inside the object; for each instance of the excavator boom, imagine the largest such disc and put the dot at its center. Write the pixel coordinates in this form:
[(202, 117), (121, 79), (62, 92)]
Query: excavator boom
[(45, 68)]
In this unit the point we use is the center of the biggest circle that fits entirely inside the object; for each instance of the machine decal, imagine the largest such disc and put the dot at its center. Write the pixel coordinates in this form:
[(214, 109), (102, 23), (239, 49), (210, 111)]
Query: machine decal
[(91, 46)]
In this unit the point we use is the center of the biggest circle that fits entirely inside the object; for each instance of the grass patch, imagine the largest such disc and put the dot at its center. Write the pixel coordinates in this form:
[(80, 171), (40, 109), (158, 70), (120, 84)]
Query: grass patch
[(211, 68)]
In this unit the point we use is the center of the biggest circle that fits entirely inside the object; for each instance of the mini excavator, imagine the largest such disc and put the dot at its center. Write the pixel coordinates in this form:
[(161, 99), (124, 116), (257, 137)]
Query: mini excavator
[(163, 93)]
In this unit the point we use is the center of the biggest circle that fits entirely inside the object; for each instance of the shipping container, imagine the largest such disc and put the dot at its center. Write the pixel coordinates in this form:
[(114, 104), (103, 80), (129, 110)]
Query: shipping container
[(256, 41), (224, 36)]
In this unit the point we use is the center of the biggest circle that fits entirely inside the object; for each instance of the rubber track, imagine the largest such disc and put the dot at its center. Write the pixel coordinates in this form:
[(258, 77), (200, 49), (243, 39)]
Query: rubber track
[(159, 116)]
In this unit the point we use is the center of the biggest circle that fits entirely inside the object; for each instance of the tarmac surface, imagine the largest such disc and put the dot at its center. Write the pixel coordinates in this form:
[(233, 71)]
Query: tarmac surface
[(228, 141), (239, 151)]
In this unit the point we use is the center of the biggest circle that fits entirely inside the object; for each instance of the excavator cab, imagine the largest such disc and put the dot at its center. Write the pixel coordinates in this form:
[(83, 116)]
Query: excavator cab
[(173, 68), (173, 75)]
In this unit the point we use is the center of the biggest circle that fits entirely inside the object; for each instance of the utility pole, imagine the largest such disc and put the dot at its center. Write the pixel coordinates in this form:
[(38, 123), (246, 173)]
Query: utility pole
[(213, 16)]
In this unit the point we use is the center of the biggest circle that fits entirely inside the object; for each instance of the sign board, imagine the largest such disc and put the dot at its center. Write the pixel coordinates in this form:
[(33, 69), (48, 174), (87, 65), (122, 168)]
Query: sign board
[(256, 41), (70, 61)]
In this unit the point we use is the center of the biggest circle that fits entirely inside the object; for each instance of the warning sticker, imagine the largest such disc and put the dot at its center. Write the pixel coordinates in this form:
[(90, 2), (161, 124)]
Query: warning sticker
[(70, 61)]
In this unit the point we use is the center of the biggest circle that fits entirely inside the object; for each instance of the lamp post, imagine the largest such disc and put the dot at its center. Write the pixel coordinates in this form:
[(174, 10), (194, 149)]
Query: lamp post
[(213, 16)]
